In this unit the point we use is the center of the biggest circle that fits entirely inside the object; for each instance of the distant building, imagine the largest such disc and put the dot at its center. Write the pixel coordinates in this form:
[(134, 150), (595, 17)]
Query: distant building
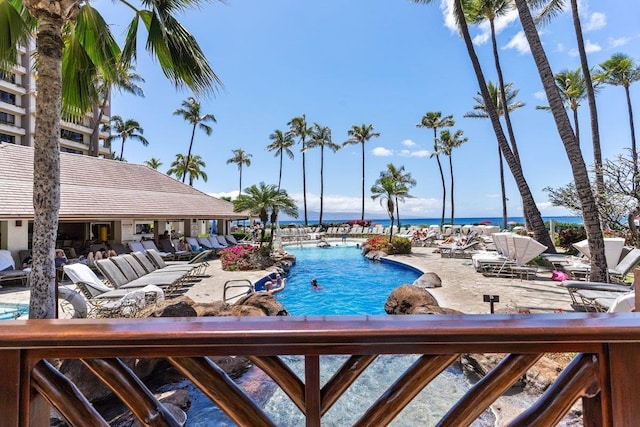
[(18, 111), (104, 201)]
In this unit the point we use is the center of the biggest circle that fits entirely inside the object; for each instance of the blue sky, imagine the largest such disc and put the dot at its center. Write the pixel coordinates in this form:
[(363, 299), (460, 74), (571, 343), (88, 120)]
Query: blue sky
[(380, 62)]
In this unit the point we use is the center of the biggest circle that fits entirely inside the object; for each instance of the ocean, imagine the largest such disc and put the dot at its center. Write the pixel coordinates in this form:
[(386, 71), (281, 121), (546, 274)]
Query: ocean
[(432, 221)]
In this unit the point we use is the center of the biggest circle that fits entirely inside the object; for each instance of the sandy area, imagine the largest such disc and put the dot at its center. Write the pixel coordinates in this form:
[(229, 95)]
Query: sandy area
[(462, 287)]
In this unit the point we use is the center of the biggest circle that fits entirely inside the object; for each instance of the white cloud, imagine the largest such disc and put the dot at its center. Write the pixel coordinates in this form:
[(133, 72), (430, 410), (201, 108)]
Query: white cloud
[(560, 47), (232, 194), (381, 152), (589, 47), (408, 143), (420, 153), (519, 42), (494, 196), (596, 21), (500, 24), (446, 6), (620, 41), (540, 95)]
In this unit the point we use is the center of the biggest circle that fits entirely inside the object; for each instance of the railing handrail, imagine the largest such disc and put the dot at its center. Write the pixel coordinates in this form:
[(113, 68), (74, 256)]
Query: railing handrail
[(311, 331)]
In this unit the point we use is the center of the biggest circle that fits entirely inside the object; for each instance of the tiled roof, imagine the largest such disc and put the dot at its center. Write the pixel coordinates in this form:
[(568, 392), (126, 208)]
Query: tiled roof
[(93, 188)]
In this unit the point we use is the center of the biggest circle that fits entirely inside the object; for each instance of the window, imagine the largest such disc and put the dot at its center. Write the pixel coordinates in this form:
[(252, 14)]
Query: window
[(7, 76), (7, 97), (69, 150), (71, 136), (6, 118), (7, 138)]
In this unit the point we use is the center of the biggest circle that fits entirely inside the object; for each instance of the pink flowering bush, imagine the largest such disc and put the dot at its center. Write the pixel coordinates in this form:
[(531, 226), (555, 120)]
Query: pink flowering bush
[(244, 257)]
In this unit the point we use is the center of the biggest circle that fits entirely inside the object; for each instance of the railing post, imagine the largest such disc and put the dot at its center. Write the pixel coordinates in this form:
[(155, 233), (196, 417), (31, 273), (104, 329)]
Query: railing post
[(10, 387), (624, 378), (312, 401)]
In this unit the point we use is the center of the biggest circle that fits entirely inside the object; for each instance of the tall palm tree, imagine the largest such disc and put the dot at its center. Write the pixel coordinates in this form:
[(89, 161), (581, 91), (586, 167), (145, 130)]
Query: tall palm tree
[(180, 168), (573, 90), (386, 189), (153, 163), (190, 111), (262, 198), (449, 141), (240, 158), (621, 70), (403, 179), (321, 137), (435, 121), (591, 219), (549, 9), (124, 80), (129, 129), (480, 112), (360, 135), (281, 144), (67, 70), (298, 128), (531, 211)]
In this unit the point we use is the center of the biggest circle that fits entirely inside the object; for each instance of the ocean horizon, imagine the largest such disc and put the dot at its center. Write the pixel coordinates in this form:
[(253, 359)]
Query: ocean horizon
[(433, 221)]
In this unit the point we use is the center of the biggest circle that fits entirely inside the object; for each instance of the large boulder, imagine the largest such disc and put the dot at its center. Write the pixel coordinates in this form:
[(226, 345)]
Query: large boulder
[(404, 299), (433, 309), (428, 280), (265, 302)]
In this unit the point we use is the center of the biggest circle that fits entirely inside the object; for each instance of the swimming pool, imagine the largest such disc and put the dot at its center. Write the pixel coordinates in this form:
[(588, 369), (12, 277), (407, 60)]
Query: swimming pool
[(350, 283), (10, 311)]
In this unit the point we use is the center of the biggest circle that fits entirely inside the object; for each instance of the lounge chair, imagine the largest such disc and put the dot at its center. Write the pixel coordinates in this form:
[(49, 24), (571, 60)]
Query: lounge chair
[(167, 246), (453, 250), (150, 244), (8, 272), (584, 295), (221, 240), (120, 280), (195, 244), (616, 274), (195, 266)]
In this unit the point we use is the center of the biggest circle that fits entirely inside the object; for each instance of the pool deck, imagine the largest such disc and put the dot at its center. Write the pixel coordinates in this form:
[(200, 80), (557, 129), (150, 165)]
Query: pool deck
[(462, 287)]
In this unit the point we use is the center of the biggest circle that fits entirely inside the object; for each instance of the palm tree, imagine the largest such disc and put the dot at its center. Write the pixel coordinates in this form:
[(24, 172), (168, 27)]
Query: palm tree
[(572, 90), (240, 158), (386, 189), (125, 80), (449, 141), (129, 129), (434, 120), (551, 8), (621, 70), (180, 168), (321, 137), (281, 144), (480, 112), (298, 127), (67, 70), (531, 211), (590, 216), (190, 111), (262, 198), (403, 179), (360, 135), (153, 163)]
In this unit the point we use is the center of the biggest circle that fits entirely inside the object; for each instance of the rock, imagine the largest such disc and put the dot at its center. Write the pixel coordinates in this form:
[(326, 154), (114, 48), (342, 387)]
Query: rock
[(433, 309), (173, 307), (265, 302), (234, 366), (246, 310), (374, 255), (217, 308), (404, 299), (428, 280)]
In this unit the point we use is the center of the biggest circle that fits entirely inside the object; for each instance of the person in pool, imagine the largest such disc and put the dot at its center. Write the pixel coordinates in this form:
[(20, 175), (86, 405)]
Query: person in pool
[(314, 284)]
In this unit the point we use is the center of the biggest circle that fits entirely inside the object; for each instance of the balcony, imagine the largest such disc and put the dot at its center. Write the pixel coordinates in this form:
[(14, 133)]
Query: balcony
[(605, 374)]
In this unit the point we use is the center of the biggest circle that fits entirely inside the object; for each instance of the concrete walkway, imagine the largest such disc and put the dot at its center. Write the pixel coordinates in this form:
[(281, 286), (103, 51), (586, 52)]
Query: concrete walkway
[(462, 287)]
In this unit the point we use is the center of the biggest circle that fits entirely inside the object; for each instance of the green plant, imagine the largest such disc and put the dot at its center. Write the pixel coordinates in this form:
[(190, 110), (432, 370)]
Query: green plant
[(397, 245)]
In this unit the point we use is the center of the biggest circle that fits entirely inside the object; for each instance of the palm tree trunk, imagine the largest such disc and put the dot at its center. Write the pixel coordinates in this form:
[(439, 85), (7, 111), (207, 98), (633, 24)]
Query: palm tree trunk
[(503, 190), (634, 149), (390, 209), (444, 191), (451, 177), (122, 149), (398, 213), (186, 165), (572, 147), (321, 182), (46, 179), (240, 168), (280, 174), (304, 183), (528, 203), (576, 124), (362, 215), (94, 145), (591, 100)]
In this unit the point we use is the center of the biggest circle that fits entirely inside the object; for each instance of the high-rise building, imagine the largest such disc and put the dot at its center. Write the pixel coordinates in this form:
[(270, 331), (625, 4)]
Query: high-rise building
[(18, 111)]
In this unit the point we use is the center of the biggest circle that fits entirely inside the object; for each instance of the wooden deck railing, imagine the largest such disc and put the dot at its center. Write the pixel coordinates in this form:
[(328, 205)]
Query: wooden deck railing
[(605, 374)]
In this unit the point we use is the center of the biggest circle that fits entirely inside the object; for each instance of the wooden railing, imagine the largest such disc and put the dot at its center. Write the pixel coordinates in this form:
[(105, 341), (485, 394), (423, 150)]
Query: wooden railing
[(605, 374)]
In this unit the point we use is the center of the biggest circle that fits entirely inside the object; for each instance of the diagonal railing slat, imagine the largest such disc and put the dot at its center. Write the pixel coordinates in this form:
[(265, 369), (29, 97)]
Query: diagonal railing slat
[(343, 378), (132, 392), (488, 389), (414, 379), (63, 395), (217, 385), (579, 378), (279, 372)]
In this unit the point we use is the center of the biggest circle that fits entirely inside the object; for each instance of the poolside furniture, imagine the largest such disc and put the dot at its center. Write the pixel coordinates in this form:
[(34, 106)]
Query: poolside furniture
[(616, 274), (456, 250), (584, 295), (152, 261), (221, 240), (8, 272), (167, 247), (150, 244), (122, 276)]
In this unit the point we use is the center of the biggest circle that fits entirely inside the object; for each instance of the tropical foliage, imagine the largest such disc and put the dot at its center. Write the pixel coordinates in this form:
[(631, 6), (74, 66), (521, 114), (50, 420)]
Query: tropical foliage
[(298, 128), (153, 163), (242, 258), (281, 143), (404, 180), (123, 130), (360, 135), (321, 137), (190, 111), (194, 169), (240, 158), (395, 245)]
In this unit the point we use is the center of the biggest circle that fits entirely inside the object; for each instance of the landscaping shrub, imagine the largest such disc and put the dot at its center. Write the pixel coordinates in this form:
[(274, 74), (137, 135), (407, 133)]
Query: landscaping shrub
[(398, 245), (245, 257), (571, 235)]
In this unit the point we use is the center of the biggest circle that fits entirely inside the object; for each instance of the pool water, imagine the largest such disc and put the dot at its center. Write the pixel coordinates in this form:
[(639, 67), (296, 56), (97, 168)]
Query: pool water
[(350, 283), (10, 311)]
